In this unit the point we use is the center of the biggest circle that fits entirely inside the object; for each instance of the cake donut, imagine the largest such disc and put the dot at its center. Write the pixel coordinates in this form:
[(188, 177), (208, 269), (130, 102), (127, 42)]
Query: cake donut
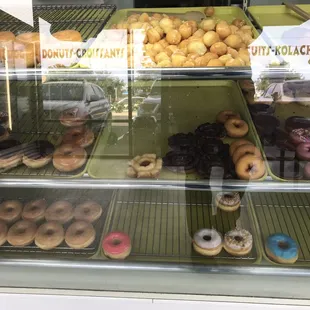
[(34, 210), (10, 154), (73, 117), (38, 154), (89, 211), (228, 201), (80, 136), (60, 211), (250, 167), (238, 242), (303, 151), (208, 242), (10, 211), (3, 232), (234, 145), (223, 116), (80, 235), (145, 166), (281, 249), (300, 135), (4, 133), (116, 245), (236, 128), (22, 233), (244, 150), (69, 157), (49, 235)]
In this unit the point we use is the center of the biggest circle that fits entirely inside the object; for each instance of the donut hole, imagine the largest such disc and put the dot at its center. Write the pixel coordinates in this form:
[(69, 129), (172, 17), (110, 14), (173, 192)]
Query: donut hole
[(237, 125), (283, 245), (67, 153), (79, 232), (20, 231), (207, 238), (228, 196), (49, 232), (9, 209), (238, 238), (145, 163), (34, 208), (116, 242), (86, 211), (251, 168)]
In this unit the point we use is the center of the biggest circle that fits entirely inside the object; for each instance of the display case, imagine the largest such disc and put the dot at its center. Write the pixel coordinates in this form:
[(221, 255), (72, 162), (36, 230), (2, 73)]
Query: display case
[(160, 151)]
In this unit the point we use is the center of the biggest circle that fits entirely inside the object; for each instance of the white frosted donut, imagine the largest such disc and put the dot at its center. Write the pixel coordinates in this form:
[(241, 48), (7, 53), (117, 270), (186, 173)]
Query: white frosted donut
[(238, 242), (208, 238)]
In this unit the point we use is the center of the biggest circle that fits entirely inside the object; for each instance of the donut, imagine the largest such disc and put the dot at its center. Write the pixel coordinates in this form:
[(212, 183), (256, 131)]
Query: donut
[(34, 210), (3, 232), (180, 162), (10, 211), (116, 245), (245, 149), (22, 233), (4, 118), (295, 122), (307, 171), (49, 235), (80, 235), (250, 167), (38, 154), (209, 146), (238, 242), (182, 142), (60, 211), (10, 154), (4, 133), (80, 136), (261, 108), (303, 151), (74, 117), (68, 35), (145, 166), (266, 124), (69, 157), (234, 145), (208, 242), (281, 249), (300, 135), (89, 211), (236, 128), (211, 130), (228, 201), (211, 168), (223, 116)]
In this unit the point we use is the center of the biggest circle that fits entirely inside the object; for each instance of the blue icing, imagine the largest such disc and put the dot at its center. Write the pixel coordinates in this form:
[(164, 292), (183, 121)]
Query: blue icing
[(288, 252)]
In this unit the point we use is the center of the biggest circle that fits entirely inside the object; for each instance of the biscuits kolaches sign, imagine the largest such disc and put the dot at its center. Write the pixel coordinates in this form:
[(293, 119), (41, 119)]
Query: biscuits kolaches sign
[(105, 52)]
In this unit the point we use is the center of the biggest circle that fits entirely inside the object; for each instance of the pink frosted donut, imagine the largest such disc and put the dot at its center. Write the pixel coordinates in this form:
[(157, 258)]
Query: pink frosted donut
[(116, 245), (307, 171), (300, 135), (303, 151)]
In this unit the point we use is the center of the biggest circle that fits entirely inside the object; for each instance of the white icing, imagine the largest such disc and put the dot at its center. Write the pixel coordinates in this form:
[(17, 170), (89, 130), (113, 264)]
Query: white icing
[(232, 242), (214, 242)]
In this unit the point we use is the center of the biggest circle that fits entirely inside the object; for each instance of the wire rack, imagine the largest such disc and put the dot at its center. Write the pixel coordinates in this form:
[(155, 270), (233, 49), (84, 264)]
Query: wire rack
[(161, 225), (75, 197), (287, 213)]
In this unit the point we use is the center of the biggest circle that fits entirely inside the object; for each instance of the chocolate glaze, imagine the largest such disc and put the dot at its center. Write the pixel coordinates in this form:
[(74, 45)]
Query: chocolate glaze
[(266, 124), (39, 149), (260, 108), (180, 161), (182, 142), (209, 146), (295, 122), (211, 130), (9, 148)]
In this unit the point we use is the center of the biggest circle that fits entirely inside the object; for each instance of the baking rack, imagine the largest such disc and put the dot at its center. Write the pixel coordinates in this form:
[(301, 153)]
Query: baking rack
[(75, 197), (161, 225), (287, 213)]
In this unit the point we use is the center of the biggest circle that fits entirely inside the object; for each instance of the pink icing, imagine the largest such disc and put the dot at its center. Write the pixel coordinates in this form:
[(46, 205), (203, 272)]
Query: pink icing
[(303, 151), (116, 243)]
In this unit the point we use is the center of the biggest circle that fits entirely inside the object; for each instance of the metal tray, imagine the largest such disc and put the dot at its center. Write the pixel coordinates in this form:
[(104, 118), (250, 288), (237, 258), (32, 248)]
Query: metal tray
[(276, 15), (63, 250), (287, 213), (191, 103), (161, 225)]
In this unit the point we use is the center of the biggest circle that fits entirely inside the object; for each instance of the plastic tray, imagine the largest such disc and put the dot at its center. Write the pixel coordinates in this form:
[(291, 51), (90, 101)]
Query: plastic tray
[(161, 225), (191, 103), (276, 15), (287, 213)]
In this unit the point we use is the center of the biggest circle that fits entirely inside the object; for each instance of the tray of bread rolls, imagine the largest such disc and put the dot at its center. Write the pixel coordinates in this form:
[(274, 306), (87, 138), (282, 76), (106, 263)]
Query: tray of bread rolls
[(186, 37), (44, 143), (202, 130), (58, 223), (167, 225)]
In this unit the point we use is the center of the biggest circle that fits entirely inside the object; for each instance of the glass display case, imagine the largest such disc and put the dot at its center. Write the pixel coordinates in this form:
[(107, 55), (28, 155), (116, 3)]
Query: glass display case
[(159, 150)]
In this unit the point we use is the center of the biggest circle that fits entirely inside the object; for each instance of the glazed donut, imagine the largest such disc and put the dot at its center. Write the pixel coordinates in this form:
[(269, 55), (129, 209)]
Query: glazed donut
[(208, 242), (80, 136), (245, 149), (22, 233), (223, 116), (281, 249), (3, 232), (60, 211), (10, 154), (68, 35), (145, 166), (303, 151), (238, 242), (300, 135), (89, 211), (236, 128), (38, 154), (69, 157), (228, 201), (10, 211), (73, 117), (250, 167), (80, 235), (116, 245), (34, 211), (234, 145), (4, 133), (49, 235)]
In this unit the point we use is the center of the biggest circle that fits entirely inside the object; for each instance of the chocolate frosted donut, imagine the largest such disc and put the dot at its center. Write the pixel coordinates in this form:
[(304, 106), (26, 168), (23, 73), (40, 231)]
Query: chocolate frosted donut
[(214, 130), (180, 162), (295, 122), (260, 108), (182, 142), (209, 146), (211, 167)]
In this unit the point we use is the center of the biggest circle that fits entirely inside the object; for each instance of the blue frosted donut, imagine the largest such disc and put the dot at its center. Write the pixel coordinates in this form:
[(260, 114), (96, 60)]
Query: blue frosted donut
[(282, 248)]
